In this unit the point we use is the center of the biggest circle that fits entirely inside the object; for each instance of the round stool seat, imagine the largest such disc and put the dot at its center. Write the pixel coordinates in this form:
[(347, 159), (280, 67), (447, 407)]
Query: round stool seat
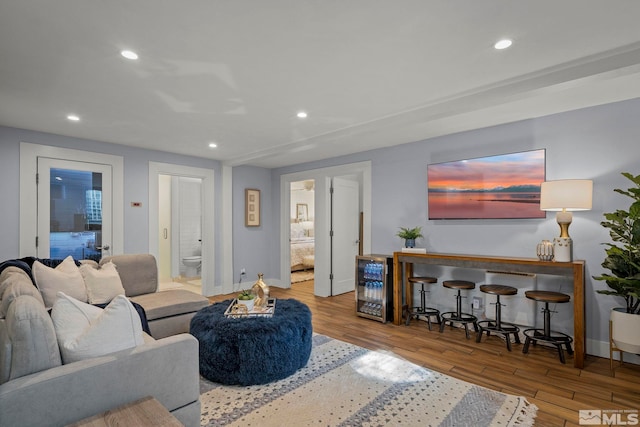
[(497, 325), (547, 296), (546, 335), (498, 289), (422, 280), (458, 284), (422, 309)]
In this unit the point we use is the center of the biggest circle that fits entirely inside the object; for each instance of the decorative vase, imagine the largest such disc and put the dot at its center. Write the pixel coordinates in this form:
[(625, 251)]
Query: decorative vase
[(544, 250), (409, 243), (261, 291)]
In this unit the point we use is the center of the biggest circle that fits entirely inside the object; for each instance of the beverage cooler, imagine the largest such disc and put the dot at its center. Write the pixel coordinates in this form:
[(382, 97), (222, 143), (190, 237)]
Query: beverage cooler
[(374, 287)]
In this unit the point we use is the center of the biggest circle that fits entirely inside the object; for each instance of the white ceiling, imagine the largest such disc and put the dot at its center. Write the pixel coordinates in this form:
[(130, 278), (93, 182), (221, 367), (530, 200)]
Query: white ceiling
[(370, 73)]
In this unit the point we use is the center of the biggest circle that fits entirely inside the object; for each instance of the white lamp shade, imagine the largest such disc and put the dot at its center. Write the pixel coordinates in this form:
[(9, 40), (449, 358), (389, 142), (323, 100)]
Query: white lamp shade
[(566, 194)]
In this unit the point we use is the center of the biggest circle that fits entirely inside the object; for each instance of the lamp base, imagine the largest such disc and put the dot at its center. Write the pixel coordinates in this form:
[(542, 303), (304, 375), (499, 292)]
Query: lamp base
[(562, 249)]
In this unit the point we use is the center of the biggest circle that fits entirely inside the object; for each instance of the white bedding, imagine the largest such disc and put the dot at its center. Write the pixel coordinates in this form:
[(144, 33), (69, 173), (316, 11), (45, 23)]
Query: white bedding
[(300, 248)]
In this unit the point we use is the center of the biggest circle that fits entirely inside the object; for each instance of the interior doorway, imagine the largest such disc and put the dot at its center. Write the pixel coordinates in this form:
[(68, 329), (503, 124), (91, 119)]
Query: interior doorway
[(180, 232), (323, 268), (168, 207), (302, 237)]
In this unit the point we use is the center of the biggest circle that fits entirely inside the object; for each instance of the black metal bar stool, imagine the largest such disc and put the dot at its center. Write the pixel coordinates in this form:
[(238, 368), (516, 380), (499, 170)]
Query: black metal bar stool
[(422, 309), (498, 326), (458, 316), (546, 335)]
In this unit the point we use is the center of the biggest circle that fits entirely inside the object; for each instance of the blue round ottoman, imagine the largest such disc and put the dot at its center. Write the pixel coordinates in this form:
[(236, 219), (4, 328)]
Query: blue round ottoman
[(254, 350)]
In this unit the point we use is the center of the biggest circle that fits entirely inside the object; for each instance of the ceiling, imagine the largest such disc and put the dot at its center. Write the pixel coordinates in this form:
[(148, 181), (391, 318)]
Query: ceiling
[(370, 73)]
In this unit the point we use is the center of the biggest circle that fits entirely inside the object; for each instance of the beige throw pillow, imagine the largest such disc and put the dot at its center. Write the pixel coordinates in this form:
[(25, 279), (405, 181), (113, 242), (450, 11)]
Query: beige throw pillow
[(65, 278), (102, 284), (85, 331)]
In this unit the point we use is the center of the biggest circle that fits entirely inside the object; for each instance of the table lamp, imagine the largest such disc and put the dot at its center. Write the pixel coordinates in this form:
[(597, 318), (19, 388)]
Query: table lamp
[(565, 196)]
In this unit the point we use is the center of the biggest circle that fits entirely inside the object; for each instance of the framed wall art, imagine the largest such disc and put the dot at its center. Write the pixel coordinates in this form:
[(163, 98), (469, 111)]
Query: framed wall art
[(252, 207), (492, 187), (302, 212)]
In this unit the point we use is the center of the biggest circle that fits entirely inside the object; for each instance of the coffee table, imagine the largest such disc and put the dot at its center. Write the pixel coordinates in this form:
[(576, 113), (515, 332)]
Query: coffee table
[(254, 350), (144, 412)]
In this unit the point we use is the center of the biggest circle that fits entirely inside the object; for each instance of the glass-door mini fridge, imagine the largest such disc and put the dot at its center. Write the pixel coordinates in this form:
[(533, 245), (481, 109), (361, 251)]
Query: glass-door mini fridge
[(374, 287)]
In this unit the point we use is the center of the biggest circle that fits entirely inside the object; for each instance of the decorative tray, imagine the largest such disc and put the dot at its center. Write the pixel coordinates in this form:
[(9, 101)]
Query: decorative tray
[(238, 311)]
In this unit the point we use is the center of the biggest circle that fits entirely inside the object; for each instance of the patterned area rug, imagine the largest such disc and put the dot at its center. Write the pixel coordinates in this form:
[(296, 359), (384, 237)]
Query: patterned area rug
[(346, 385)]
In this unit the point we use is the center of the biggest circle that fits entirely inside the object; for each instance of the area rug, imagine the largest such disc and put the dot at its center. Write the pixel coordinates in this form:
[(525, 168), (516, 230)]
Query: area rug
[(347, 385), (301, 276)]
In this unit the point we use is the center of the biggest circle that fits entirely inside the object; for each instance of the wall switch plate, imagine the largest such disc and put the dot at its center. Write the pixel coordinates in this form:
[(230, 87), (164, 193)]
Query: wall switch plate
[(476, 303)]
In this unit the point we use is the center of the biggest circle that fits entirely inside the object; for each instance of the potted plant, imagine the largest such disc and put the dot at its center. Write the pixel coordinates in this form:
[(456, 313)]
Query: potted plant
[(623, 260), (247, 298), (410, 235)]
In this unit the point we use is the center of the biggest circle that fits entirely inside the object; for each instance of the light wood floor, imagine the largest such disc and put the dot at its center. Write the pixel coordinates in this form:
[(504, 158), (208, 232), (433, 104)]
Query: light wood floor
[(558, 390)]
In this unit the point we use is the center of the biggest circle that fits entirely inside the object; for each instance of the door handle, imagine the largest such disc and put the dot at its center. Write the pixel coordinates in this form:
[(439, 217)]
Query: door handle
[(165, 233), (103, 248)]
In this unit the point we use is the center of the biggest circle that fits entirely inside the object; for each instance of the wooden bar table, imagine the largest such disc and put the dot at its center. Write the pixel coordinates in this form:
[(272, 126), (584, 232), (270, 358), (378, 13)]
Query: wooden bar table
[(403, 268)]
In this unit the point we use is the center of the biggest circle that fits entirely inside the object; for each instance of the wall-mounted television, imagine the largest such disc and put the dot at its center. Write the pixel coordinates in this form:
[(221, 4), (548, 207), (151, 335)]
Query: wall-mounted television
[(493, 187)]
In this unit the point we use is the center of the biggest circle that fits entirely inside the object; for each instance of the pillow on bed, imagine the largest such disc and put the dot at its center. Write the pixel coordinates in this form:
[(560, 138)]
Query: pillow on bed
[(65, 278), (85, 331), (297, 231)]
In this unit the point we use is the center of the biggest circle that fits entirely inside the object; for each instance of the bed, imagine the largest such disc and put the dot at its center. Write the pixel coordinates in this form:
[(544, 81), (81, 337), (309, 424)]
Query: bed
[(302, 248)]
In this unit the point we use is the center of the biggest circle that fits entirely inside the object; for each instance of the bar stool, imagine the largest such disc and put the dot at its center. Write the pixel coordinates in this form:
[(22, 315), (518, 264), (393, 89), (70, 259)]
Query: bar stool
[(458, 316), (497, 326), (422, 310), (546, 335)]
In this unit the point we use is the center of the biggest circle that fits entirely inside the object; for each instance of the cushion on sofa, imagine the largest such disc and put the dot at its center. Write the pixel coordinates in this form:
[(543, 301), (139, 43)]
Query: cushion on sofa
[(11, 275), (138, 272), (103, 283), (33, 346), (169, 303), (13, 290), (65, 278), (85, 331)]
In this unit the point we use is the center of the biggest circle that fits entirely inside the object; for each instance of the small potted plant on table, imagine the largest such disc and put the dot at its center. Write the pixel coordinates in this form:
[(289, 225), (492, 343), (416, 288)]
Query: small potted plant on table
[(623, 260), (247, 298), (410, 235)]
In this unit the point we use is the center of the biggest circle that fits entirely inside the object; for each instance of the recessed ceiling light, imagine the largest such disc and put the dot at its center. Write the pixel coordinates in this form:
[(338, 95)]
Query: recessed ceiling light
[(213, 145), (73, 118), (503, 44), (302, 114), (129, 54)]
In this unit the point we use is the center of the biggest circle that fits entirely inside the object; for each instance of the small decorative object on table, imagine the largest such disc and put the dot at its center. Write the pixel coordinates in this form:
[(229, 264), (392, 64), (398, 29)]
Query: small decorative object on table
[(246, 298), (237, 310), (544, 250), (410, 235), (261, 291)]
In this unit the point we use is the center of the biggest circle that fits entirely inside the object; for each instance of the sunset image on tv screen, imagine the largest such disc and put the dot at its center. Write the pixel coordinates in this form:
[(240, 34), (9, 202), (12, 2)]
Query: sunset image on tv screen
[(503, 186)]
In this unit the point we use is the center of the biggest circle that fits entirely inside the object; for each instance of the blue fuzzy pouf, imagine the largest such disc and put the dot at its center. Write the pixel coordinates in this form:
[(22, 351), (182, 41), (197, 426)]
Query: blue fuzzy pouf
[(255, 350)]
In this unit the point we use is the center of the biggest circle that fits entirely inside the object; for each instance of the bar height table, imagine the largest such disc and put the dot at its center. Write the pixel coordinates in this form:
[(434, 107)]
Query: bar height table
[(403, 268)]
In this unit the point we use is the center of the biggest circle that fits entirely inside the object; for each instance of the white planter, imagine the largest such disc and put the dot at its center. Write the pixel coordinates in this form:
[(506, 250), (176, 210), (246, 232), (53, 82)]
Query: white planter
[(625, 330), (248, 302)]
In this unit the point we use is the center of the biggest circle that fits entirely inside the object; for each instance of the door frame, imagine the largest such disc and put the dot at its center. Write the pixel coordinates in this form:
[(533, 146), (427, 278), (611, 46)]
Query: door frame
[(208, 227), (322, 177), (29, 154)]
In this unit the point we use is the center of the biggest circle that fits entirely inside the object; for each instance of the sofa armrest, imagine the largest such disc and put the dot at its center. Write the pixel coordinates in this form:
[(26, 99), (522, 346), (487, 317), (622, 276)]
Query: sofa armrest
[(166, 369)]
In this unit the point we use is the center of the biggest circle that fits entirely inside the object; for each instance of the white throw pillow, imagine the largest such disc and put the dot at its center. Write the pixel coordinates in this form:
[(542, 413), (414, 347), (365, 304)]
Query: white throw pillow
[(65, 278), (85, 331), (102, 284)]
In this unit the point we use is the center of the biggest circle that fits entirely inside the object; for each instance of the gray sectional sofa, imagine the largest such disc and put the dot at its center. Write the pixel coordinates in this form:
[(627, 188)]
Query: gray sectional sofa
[(37, 389)]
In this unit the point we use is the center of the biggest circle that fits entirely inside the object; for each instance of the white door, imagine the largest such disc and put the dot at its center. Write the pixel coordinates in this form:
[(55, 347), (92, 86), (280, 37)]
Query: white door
[(74, 215), (345, 211)]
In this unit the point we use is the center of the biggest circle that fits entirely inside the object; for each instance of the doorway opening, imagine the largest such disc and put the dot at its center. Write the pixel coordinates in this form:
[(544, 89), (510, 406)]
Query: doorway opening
[(302, 240), (180, 232)]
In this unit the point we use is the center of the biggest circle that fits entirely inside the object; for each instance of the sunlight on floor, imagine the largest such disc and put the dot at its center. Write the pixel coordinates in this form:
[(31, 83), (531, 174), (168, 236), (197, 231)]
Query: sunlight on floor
[(389, 368)]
